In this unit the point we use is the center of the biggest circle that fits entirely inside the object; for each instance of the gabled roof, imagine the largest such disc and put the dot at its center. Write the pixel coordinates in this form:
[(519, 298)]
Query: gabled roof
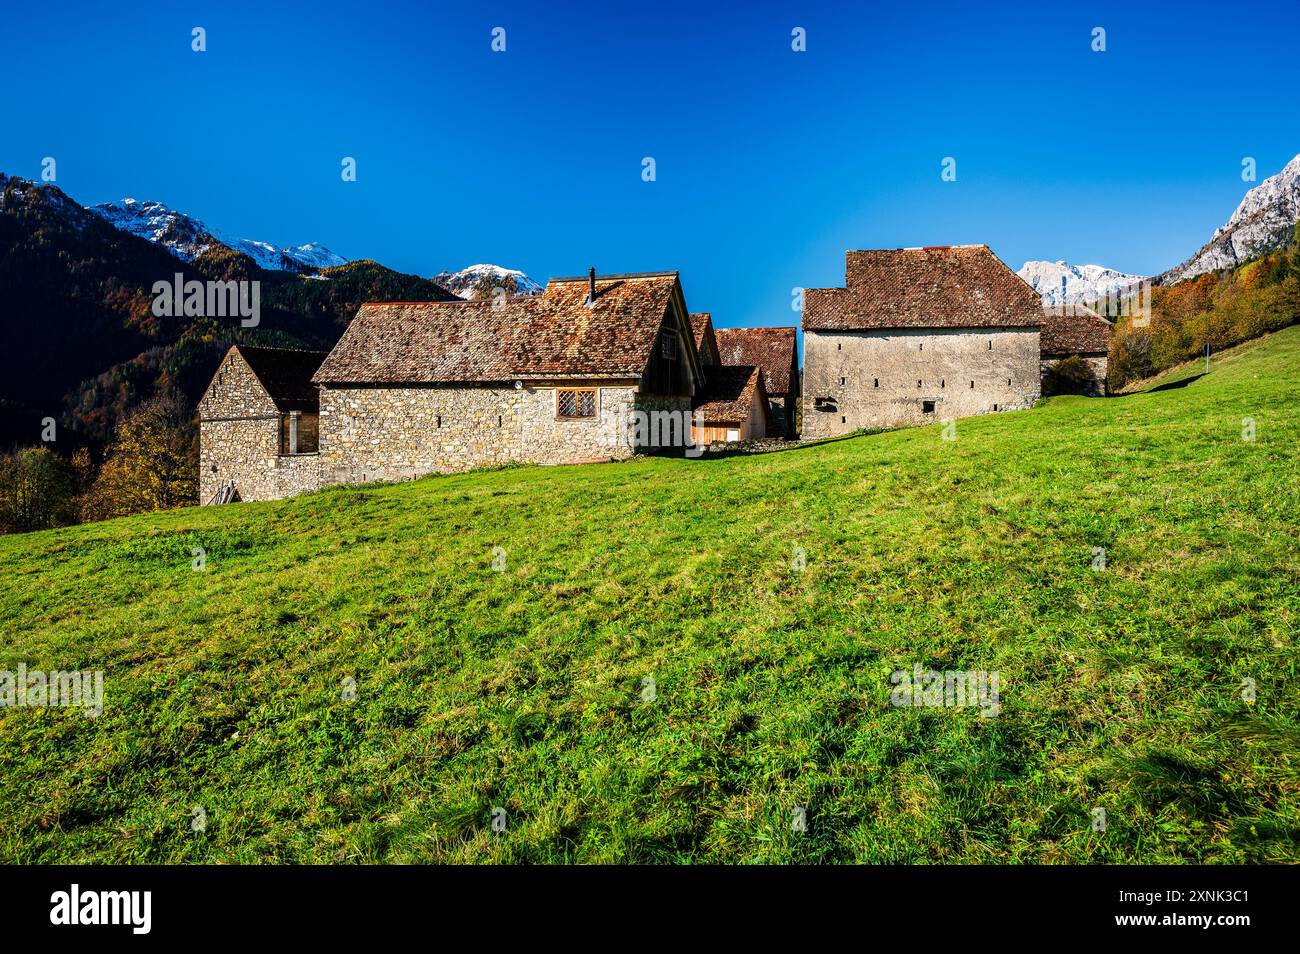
[(706, 342), (729, 393), (285, 374), (947, 286), (772, 349), (551, 335), (1073, 329)]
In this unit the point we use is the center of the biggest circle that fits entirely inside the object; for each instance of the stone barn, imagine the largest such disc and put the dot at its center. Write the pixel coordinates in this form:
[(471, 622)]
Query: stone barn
[(419, 387), (1075, 331), (919, 335), (259, 425), (776, 352)]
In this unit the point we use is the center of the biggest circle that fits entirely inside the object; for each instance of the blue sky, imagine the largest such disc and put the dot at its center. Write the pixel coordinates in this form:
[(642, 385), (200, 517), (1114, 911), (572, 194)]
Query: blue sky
[(770, 163)]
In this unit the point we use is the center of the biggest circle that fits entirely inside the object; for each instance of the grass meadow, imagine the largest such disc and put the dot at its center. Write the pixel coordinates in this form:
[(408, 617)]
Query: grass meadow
[(647, 675)]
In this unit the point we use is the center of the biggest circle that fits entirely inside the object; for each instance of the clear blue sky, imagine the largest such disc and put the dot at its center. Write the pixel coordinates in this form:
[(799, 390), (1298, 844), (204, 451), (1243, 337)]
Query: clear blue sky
[(770, 163)]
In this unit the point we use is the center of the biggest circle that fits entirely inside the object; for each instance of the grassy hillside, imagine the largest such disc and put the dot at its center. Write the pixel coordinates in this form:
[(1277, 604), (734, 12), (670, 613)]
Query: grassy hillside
[(1121, 689)]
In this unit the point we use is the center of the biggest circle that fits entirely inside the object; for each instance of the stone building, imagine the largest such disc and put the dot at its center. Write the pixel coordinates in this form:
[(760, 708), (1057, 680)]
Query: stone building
[(258, 425), (732, 405), (1075, 330), (776, 352), (918, 335), (595, 368)]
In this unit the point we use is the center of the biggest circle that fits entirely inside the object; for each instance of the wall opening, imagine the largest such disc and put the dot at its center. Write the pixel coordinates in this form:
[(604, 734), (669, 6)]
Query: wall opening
[(927, 407)]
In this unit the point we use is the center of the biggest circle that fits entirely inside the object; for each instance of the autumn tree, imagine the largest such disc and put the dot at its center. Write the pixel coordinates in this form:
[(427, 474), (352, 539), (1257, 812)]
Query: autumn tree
[(151, 464)]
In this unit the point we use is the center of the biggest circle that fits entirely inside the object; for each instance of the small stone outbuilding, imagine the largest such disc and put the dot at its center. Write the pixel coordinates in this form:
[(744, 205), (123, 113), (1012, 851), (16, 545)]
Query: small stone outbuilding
[(1075, 331), (259, 425), (776, 352)]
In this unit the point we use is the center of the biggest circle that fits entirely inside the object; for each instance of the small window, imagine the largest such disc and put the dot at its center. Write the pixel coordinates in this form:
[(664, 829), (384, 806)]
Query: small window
[(927, 407), (990, 344), (574, 403), (942, 382), (733, 434), (440, 420), (843, 420), (839, 347), (498, 420), (972, 384), (922, 346), (1008, 382), (667, 346), (877, 382), (918, 384), (841, 380), (995, 407)]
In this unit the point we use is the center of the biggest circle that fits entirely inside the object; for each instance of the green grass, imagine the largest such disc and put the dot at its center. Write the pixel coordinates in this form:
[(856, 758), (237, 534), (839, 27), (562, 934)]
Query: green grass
[(1120, 689)]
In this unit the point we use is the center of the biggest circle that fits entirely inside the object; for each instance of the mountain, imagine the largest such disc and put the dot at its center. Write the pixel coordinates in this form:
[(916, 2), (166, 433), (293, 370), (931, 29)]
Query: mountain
[(186, 237), (464, 282), (81, 343), (1264, 221), (1083, 283)]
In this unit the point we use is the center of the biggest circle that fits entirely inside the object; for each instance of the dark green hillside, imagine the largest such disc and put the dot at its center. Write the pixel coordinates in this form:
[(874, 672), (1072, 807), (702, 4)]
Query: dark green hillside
[(80, 341)]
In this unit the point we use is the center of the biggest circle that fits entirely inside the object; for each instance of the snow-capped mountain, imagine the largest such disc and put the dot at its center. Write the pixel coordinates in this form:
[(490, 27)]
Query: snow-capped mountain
[(186, 237), (1264, 221), (1061, 283), (463, 282)]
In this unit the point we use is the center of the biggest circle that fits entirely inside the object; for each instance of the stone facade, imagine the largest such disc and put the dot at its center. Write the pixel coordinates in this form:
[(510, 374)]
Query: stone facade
[(240, 439), (888, 377), (399, 433)]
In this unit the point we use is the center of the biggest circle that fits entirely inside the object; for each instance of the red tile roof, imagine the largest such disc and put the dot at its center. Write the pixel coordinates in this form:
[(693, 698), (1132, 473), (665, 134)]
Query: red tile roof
[(286, 375), (1073, 329), (729, 394), (551, 335), (958, 286), (772, 349), (706, 342)]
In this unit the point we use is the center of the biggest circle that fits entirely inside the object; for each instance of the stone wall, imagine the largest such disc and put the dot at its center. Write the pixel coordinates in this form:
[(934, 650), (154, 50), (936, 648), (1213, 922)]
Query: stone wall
[(856, 379), (1097, 364), (246, 451), (399, 433)]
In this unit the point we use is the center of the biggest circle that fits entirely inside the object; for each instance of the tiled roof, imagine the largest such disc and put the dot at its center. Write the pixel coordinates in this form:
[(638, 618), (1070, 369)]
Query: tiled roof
[(772, 349), (728, 394), (951, 286), (1073, 329), (706, 342), (553, 334), (286, 374)]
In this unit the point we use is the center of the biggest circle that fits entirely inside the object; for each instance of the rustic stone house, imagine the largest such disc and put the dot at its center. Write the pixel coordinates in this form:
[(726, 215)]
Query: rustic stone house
[(258, 425), (776, 352), (1075, 330), (732, 405), (595, 368), (918, 335)]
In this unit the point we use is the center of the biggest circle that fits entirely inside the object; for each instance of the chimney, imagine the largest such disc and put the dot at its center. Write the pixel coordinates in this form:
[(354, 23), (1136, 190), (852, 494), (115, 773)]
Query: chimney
[(591, 286)]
